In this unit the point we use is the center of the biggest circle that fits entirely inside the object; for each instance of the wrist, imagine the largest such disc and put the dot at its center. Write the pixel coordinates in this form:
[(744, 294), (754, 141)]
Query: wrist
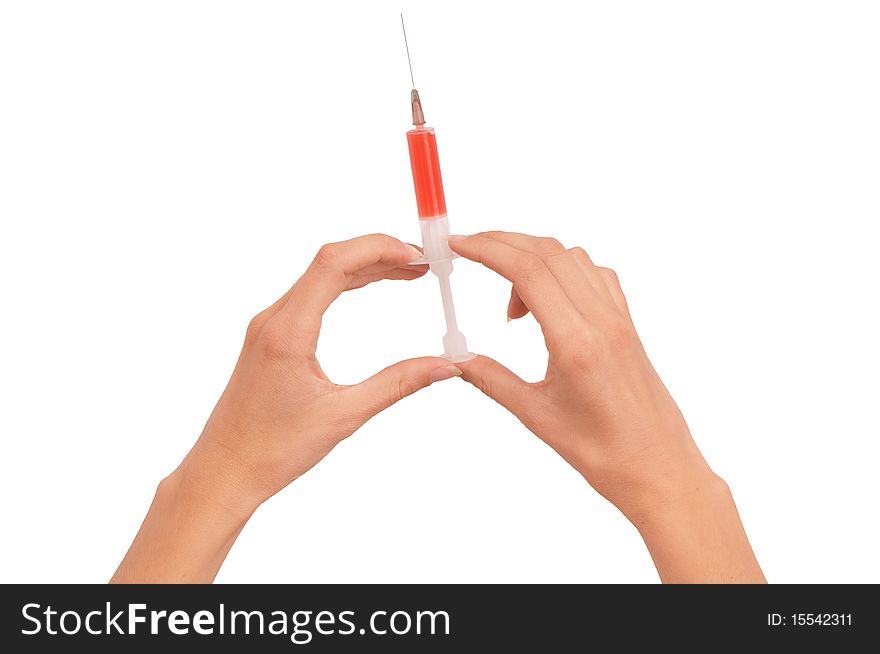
[(695, 535), (659, 481), (194, 519), (212, 478), (695, 489)]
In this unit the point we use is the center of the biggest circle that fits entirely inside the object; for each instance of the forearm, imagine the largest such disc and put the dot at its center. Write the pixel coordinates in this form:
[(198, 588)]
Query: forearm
[(697, 536), (195, 518)]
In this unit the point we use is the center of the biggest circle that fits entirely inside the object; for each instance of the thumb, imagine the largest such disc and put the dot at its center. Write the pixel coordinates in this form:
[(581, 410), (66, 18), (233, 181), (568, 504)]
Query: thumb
[(496, 381), (398, 381)]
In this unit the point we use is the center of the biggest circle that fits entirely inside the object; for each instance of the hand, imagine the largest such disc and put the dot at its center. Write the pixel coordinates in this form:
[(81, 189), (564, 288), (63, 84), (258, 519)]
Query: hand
[(278, 417), (280, 414), (601, 405)]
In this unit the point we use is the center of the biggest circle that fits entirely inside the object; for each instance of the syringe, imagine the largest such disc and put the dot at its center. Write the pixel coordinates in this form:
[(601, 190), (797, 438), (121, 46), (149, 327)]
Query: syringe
[(431, 203)]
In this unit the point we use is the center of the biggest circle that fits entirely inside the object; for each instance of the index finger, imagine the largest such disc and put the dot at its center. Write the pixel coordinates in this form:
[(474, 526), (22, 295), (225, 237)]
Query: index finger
[(330, 272), (534, 283)]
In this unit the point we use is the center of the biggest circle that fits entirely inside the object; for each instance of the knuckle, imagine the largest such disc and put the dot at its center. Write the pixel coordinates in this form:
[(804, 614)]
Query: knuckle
[(585, 350), (609, 275), (255, 326), (591, 347), (404, 388), (382, 239), (580, 253), (528, 265), (548, 245), (576, 346), (328, 256), (484, 386), (619, 334), (582, 357), (274, 342)]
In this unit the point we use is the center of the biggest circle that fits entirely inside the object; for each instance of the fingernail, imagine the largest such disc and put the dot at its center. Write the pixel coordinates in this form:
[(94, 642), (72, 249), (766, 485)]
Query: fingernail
[(415, 253), (446, 372), (458, 237)]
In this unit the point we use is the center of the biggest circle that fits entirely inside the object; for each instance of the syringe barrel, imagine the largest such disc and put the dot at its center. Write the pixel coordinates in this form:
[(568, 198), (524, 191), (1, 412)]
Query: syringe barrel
[(426, 173)]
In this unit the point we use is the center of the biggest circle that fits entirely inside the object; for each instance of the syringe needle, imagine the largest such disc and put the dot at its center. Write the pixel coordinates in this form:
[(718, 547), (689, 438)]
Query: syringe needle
[(408, 60), (418, 115)]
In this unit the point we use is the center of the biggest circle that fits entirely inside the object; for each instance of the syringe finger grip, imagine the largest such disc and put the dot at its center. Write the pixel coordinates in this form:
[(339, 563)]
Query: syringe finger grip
[(435, 240)]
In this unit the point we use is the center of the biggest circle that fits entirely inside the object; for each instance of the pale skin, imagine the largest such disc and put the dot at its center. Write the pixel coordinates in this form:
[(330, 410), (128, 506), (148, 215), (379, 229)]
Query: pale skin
[(601, 406)]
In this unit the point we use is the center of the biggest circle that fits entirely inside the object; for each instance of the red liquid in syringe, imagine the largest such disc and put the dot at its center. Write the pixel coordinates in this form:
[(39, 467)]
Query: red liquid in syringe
[(426, 173)]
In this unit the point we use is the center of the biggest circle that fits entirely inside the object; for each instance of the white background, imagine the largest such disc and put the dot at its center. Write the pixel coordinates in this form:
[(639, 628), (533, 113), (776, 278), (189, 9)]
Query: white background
[(168, 169)]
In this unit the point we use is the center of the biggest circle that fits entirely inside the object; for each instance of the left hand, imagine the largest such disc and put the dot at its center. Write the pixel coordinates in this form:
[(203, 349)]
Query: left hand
[(280, 414)]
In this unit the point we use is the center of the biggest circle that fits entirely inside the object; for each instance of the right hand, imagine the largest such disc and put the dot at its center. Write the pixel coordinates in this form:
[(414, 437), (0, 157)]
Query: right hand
[(601, 406)]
